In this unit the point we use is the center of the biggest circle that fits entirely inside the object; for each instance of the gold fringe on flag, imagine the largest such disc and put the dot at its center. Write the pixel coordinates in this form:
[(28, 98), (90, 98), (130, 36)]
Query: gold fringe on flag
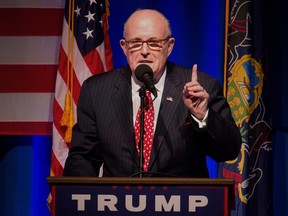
[(107, 8), (226, 46), (51, 172), (68, 134), (67, 119), (67, 109)]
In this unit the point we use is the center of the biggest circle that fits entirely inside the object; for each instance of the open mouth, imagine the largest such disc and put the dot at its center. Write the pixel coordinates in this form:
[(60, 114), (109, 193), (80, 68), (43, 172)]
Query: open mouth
[(145, 62)]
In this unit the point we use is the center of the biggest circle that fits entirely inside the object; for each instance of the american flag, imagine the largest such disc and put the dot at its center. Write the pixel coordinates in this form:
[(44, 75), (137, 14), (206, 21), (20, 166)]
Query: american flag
[(30, 35), (85, 50)]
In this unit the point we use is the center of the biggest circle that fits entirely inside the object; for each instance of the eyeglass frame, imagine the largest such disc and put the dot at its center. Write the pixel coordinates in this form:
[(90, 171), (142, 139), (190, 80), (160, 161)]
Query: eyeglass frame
[(147, 42)]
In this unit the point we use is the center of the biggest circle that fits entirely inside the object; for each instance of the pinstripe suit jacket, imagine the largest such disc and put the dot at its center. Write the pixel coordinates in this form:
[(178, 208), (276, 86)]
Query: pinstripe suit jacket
[(104, 131)]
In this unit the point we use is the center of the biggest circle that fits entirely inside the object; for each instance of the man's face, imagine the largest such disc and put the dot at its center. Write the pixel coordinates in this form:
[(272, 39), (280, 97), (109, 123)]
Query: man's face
[(147, 26)]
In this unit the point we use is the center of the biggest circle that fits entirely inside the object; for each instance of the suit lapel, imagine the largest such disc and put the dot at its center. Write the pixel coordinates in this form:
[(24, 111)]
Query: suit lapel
[(172, 94), (123, 107)]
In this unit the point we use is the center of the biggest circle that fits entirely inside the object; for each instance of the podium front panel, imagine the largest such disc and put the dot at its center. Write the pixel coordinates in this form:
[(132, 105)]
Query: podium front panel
[(142, 199)]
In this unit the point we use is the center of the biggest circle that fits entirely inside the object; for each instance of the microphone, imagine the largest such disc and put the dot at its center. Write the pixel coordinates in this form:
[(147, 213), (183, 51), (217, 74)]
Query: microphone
[(145, 74)]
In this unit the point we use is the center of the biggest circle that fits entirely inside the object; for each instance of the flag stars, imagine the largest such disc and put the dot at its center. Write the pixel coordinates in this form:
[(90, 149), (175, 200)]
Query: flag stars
[(90, 16), (88, 33), (92, 1), (77, 11)]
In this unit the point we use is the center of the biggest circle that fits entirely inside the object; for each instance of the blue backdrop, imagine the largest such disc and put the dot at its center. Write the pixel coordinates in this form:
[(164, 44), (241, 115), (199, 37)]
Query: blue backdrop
[(198, 27)]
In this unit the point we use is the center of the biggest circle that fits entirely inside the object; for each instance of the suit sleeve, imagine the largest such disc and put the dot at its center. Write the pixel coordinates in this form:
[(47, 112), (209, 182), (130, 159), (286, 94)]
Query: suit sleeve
[(84, 158), (222, 138)]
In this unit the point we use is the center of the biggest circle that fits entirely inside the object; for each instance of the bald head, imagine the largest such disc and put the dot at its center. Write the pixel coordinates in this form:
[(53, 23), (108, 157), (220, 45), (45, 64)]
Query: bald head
[(148, 19), (151, 30)]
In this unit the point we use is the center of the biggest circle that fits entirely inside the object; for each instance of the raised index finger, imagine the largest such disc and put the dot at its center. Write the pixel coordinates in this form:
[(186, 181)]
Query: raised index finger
[(194, 76)]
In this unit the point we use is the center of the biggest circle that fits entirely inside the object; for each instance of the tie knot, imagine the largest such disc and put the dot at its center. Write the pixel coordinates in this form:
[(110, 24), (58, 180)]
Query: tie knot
[(148, 98), (149, 95)]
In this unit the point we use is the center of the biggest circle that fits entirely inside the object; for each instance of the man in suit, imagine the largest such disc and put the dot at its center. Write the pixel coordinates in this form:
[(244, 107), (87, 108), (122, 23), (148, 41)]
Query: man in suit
[(192, 118)]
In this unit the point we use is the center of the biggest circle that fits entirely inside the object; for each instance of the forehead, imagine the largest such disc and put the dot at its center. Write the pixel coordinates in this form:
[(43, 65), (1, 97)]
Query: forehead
[(145, 25)]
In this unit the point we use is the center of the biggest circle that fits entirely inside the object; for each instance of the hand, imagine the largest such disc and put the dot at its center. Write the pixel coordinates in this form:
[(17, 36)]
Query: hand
[(195, 97)]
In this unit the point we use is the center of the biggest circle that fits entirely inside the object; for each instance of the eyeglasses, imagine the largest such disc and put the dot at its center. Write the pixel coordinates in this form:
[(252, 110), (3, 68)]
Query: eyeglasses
[(153, 44)]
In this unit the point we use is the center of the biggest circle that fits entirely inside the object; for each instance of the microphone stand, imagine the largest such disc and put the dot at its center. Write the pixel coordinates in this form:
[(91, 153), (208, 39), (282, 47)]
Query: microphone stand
[(142, 95)]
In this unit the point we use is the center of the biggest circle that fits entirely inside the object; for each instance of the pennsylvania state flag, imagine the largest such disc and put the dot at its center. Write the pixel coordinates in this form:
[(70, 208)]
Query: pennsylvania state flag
[(245, 78)]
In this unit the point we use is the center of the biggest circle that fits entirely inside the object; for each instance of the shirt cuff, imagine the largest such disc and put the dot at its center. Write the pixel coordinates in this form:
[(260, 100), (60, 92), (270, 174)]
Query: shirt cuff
[(203, 123)]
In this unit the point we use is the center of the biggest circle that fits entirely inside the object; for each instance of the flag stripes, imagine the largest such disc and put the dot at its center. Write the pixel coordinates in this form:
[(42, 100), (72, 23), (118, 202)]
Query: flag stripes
[(34, 78), (30, 37), (29, 50), (33, 21), (24, 128)]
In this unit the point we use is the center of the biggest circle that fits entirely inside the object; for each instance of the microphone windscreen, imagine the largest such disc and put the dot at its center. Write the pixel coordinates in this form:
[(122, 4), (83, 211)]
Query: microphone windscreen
[(141, 70)]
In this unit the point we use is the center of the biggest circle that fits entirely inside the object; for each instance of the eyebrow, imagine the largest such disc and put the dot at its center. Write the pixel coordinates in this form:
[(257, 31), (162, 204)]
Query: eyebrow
[(137, 38)]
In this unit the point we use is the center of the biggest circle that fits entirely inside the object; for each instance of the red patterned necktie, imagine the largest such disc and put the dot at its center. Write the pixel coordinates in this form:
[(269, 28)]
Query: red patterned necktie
[(148, 129)]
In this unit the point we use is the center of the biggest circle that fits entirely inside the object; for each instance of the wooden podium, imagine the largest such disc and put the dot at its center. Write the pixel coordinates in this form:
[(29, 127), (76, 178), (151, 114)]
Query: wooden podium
[(141, 196)]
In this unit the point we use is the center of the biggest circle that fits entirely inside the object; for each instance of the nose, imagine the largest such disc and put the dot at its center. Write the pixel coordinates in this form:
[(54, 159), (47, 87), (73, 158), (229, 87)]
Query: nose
[(145, 49)]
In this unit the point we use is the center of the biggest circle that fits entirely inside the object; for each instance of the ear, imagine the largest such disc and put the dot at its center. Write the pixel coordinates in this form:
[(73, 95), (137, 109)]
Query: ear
[(123, 46), (171, 42)]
